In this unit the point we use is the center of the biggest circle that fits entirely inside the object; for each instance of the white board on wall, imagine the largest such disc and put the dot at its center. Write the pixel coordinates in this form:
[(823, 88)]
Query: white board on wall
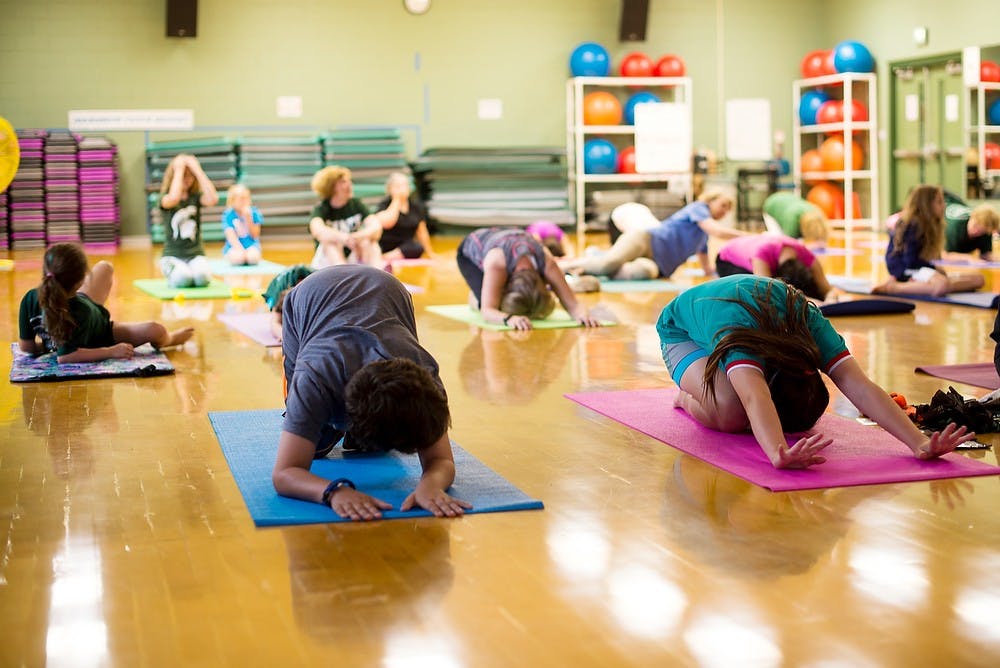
[(748, 129), (662, 138)]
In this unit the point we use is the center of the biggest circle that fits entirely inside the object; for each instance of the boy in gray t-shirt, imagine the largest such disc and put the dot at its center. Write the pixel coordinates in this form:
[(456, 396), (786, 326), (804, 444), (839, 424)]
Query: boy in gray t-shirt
[(353, 367)]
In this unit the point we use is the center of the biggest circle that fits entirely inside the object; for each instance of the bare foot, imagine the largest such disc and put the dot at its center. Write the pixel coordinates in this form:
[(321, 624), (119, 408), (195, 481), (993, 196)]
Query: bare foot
[(886, 288), (179, 336)]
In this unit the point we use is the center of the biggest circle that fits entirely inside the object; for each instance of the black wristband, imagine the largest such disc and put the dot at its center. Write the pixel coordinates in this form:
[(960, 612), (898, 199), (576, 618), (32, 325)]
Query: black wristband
[(333, 487), (506, 318)]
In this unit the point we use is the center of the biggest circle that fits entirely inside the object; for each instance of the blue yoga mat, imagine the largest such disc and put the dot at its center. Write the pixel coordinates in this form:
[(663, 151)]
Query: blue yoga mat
[(863, 287), (249, 440), (221, 267)]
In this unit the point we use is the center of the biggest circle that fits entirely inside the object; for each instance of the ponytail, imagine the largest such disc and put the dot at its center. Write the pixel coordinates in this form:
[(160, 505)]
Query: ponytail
[(63, 269)]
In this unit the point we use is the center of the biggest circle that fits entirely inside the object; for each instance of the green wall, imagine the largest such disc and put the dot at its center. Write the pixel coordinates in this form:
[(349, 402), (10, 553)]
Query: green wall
[(369, 62)]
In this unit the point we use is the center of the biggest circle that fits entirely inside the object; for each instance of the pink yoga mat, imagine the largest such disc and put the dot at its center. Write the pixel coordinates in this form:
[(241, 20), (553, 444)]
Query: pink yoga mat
[(859, 455), (980, 375), (255, 325)]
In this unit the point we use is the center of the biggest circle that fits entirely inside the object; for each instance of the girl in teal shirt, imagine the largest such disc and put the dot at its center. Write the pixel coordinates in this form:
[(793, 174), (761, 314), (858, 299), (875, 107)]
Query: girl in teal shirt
[(745, 352)]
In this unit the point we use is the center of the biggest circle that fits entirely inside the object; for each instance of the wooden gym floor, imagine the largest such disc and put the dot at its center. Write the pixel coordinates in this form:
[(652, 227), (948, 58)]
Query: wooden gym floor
[(126, 542)]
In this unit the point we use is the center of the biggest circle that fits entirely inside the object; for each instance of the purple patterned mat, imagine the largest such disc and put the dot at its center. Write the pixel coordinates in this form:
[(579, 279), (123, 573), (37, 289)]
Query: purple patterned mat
[(29, 369)]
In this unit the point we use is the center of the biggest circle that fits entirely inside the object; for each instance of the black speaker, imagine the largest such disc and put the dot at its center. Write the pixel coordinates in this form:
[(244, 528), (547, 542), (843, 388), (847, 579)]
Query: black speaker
[(632, 27), (182, 18)]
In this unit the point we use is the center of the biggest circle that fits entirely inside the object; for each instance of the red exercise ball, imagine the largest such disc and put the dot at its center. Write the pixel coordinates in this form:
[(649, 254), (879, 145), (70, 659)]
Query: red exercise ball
[(601, 108), (856, 112), (815, 62), (831, 111), (989, 71), (991, 153), (636, 64), (670, 66), (828, 198), (626, 160), (812, 161), (832, 153)]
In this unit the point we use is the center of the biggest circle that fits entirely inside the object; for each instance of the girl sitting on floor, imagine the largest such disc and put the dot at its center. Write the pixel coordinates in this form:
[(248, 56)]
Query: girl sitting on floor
[(241, 223), (915, 243), (746, 352), (66, 313)]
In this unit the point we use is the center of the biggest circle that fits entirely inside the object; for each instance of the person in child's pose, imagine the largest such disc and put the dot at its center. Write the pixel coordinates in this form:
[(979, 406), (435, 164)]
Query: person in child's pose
[(550, 235), (403, 218), (914, 244), (278, 289), (184, 191), (509, 273), (746, 351), (353, 368), (777, 256), (645, 253), (66, 313), (241, 223), (343, 228), (787, 213)]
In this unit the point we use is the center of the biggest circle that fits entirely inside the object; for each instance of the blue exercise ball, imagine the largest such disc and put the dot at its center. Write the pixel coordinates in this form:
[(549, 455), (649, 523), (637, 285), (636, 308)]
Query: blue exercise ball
[(590, 59), (851, 56), (599, 157), (994, 114), (810, 104), (643, 97)]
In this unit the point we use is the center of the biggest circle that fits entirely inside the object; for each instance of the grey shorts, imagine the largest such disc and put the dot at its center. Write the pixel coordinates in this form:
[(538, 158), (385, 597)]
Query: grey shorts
[(679, 356)]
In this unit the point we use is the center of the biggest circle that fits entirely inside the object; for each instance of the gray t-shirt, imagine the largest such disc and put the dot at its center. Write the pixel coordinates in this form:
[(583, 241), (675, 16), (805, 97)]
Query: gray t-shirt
[(335, 322)]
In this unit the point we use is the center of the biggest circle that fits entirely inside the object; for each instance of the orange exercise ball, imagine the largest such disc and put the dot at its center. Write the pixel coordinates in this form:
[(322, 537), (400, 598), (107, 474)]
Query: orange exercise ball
[(828, 198), (832, 152), (812, 161), (601, 108)]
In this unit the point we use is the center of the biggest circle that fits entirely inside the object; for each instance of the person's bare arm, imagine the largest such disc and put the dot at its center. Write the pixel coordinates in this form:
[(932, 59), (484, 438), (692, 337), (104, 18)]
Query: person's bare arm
[(761, 268), (875, 403), (117, 351), (209, 196), (438, 464), (755, 395), (325, 234), (714, 228), (494, 280), (555, 277), (175, 190)]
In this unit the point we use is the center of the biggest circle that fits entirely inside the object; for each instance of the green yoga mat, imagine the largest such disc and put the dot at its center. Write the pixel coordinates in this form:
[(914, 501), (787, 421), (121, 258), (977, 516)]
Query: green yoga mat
[(463, 313), (158, 288)]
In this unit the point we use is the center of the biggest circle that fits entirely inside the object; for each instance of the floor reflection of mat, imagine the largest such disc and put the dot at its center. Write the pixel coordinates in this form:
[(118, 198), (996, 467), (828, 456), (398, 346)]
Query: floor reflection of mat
[(249, 440)]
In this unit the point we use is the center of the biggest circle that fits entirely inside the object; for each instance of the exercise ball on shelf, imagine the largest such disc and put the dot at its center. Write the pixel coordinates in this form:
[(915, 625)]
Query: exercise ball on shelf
[(636, 64), (643, 97), (601, 108), (852, 56), (989, 71), (856, 111), (991, 154), (832, 153), (994, 112), (590, 59), (811, 161), (626, 161), (817, 63), (670, 65), (599, 157), (828, 198), (831, 111), (809, 104)]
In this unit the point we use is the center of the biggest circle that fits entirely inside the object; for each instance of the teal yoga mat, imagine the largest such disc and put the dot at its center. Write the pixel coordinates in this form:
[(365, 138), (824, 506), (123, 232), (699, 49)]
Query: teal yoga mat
[(221, 267), (249, 440), (157, 287), (463, 313), (652, 285)]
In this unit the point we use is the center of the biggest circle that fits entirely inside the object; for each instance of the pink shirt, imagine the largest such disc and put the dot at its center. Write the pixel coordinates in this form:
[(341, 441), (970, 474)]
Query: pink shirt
[(742, 251)]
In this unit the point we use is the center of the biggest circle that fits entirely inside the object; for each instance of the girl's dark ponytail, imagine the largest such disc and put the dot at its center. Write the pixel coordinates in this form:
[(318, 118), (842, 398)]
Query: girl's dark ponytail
[(63, 269)]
